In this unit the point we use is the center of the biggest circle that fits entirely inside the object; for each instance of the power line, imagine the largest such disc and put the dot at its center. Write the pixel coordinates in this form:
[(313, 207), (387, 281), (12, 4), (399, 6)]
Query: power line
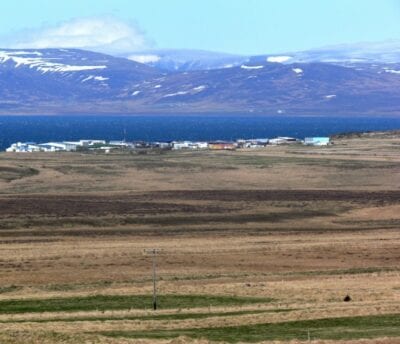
[(153, 252)]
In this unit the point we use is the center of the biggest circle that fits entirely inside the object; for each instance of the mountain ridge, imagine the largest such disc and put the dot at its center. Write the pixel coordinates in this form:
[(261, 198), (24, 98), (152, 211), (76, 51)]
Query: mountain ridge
[(68, 81), (343, 54)]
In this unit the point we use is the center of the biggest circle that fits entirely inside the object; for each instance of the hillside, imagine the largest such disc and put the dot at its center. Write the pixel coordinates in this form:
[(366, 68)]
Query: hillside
[(75, 81)]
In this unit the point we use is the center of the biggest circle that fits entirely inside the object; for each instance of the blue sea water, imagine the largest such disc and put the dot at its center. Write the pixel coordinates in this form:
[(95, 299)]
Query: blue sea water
[(180, 127)]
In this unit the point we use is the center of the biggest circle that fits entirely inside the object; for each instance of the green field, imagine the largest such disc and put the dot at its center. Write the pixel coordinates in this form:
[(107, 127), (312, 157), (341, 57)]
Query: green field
[(123, 302), (334, 328)]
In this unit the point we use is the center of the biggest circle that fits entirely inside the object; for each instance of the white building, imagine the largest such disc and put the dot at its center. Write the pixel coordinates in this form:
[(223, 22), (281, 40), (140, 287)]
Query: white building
[(317, 141), (181, 145), (58, 146), (18, 147), (282, 140), (253, 143), (189, 145), (41, 147), (87, 143), (22, 147), (118, 143), (202, 145), (162, 145)]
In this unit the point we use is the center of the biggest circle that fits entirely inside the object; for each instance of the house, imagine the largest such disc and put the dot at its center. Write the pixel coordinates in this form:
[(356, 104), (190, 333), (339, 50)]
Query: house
[(140, 144), (181, 144), (283, 140), (317, 141), (44, 147), (253, 143), (221, 145), (118, 143), (70, 146), (19, 147), (57, 146), (162, 145), (86, 143), (48, 147), (201, 145), (261, 142), (107, 149)]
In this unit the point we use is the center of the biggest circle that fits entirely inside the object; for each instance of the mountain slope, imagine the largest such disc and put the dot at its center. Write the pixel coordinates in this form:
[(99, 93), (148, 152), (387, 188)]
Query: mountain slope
[(76, 81), (174, 60), (387, 52), (56, 74), (275, 88)]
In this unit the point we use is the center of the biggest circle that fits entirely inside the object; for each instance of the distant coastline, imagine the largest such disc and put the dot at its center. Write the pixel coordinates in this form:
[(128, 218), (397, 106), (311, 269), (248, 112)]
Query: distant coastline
[(206, 114)]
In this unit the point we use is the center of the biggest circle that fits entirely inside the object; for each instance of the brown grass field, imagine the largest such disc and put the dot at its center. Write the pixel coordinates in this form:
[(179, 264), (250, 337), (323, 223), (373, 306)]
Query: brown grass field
[(257, 245)]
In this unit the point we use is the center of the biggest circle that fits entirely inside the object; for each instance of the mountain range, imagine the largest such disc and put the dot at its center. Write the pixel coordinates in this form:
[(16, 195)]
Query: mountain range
[(360, 79)]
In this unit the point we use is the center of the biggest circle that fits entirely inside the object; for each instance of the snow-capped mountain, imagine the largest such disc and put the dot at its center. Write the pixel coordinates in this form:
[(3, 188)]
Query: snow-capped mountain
[(34, 76), (387, 52), (274, 88), (77, 81), (186, 60), (67, 60), (83, 67)]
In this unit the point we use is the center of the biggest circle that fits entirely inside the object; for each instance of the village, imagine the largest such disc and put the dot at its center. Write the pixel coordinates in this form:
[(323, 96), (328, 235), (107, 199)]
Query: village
[(108, 146)]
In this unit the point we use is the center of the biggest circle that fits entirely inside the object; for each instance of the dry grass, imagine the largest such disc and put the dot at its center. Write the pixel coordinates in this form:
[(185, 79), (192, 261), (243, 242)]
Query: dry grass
[(79, 227)]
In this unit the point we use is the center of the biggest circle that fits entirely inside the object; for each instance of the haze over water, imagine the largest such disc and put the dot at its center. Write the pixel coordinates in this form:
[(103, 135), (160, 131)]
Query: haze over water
[(168, 127)]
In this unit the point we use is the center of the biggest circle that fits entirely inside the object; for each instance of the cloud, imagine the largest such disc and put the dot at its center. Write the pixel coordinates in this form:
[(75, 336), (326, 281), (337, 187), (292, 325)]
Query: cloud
[(103, 34)]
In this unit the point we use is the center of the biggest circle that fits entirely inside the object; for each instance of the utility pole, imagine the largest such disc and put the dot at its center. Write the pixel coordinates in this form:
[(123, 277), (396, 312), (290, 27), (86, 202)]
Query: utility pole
[(153, 252)]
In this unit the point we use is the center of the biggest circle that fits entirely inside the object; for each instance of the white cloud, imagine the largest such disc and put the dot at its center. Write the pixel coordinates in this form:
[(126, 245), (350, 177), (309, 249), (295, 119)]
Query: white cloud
[(103, 34)]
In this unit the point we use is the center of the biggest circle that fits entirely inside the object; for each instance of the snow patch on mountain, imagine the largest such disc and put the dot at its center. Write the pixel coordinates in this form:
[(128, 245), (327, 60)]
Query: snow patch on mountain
[(180, 93), (278, 59), (297, 70), (52, 67), (251, 67), (393, 71), (100, 78), (144, 58), (90, 77), (55, 67), (93, 77), (37, 53), (41, 64), (199, 88), (185, 60)]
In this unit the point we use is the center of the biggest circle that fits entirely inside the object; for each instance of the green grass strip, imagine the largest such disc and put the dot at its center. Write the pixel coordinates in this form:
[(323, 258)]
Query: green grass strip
[(331, 328), (120, 302), (174, 316)]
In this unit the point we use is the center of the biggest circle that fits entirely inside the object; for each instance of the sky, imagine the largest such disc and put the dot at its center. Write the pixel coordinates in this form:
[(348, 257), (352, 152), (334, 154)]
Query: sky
[(246, 27)]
